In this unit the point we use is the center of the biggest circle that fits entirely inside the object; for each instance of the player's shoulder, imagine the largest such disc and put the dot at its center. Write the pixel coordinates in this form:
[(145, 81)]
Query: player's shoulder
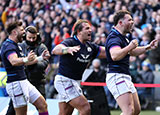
[(112, 33), (69, 41), (8, 46), (112, 36)]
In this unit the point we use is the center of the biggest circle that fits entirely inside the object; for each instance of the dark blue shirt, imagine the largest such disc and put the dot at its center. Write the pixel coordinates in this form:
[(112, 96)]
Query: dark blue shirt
[(14, 73), (74, 66), (117, 39)]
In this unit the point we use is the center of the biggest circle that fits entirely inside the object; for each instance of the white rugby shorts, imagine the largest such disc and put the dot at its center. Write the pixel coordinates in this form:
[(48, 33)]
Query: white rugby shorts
[(67, 88), (22, 92), (119, 84)]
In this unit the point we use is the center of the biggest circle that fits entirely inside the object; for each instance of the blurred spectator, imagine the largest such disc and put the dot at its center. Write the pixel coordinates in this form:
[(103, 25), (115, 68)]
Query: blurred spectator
[(95, 19), (152, 18), (145, 29), (140, 59), (109, 23), (157, 29), (99, 71), (145, 40), (141, 11), (147, 77), (136, 36), (158, 20), (47, 40), (3, 36), (154, 56), (49, 88), (99, 74), (137, 22), (134, 69), (71, 20)]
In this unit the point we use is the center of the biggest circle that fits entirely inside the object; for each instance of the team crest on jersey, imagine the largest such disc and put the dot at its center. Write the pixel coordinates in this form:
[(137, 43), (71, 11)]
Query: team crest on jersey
[(89, 49)]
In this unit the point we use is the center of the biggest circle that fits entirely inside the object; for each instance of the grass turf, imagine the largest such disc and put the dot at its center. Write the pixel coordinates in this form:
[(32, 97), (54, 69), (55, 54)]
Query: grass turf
[(117, 112)]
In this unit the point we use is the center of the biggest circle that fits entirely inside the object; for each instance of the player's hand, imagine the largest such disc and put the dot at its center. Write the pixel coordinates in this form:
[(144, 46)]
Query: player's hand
[(154, 44), (73, 49), (133, 44), (45, 54), (31, 56)]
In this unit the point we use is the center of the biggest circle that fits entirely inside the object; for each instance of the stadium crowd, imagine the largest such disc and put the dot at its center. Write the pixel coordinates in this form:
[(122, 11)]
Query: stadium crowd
[(54, 20)]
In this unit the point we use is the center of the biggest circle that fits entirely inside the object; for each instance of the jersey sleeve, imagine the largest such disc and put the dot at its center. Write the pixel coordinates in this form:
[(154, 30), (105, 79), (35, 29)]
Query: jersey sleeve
[(113, 41), (8, 50), (8, 53)]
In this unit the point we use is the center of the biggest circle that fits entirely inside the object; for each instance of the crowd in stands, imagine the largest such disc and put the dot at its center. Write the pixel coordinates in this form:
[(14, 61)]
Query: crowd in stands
[(54, 20)]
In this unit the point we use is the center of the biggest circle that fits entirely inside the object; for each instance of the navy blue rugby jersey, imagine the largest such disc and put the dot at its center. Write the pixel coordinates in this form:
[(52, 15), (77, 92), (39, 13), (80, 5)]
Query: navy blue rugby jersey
[(74, 66), (14, 73), (117, 39)]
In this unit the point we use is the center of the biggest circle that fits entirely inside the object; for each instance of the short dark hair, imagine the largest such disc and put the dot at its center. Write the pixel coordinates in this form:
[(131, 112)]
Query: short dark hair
[(12, 25), (119, 15), (78, 26), (31, 29)]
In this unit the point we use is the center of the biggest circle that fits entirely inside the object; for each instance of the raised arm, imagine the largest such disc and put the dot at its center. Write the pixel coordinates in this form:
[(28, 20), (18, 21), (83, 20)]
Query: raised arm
[(29, 60), (42, 59), (117, 53), (61, 49), (17, 61), (142, 49)]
